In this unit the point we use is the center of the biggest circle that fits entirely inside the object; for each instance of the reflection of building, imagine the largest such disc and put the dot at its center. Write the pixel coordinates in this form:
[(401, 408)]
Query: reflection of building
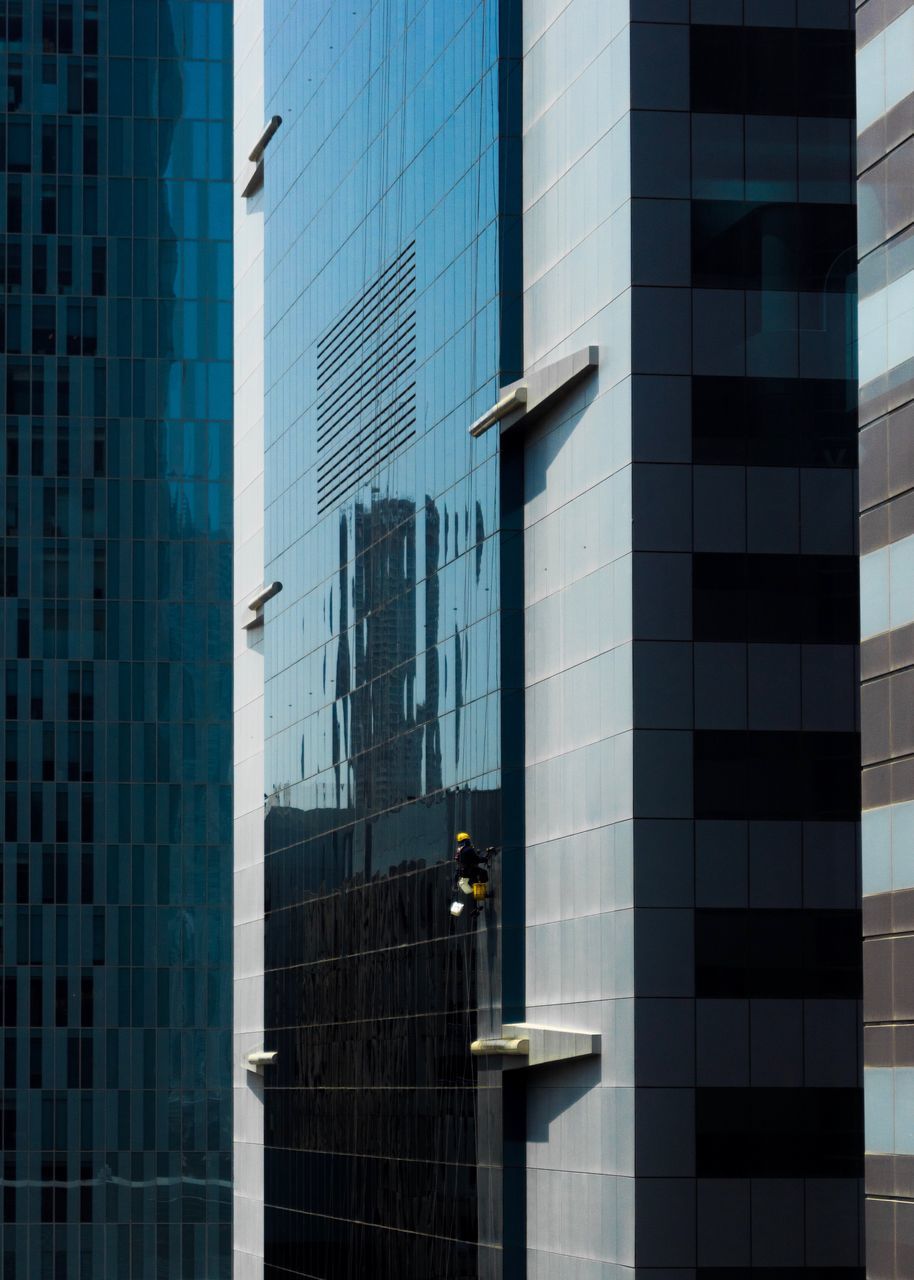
[(385, 748), (113, 632), (616, 626), (380, 712), (885, 192), (429, 702), (389, 736)]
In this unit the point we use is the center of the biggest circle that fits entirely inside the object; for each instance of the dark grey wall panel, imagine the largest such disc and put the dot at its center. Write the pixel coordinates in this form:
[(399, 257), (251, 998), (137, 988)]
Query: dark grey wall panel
[(773, 626)]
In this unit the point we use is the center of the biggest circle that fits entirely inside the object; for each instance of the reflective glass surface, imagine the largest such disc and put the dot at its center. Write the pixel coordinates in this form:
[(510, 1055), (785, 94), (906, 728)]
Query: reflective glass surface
[(886, 319), (888, 847), (885, 88), (390, 313), (115, 324), (885, 72), (887, 588), (889, 1106)]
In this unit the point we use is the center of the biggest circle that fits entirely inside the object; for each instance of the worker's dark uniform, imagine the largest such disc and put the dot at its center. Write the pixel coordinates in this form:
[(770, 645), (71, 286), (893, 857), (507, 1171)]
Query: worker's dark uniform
[(469, 868), (469, 864)]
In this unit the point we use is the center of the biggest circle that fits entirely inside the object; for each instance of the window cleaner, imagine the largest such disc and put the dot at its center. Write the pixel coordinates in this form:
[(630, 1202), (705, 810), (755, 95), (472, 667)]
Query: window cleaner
[(471, 876)]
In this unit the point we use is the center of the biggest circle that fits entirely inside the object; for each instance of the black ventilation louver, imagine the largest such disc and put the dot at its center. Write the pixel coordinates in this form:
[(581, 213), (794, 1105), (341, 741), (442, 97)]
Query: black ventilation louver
[(366, 386)]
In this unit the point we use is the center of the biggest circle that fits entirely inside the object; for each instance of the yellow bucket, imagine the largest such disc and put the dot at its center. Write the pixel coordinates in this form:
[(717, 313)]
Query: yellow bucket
[(479, 891)]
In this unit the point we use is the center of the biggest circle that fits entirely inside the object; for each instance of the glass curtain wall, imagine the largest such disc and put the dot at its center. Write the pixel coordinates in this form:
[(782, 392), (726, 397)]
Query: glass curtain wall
[(115, 340), (390, 320)]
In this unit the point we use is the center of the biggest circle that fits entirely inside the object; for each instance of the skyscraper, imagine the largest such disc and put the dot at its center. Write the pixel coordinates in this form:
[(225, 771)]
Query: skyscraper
[(116, 500), (558, 417), (885, 162)]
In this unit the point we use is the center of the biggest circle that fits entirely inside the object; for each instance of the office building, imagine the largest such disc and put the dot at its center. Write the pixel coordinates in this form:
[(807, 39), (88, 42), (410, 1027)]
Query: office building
[(115, 329), (612, 631), (885, 163)]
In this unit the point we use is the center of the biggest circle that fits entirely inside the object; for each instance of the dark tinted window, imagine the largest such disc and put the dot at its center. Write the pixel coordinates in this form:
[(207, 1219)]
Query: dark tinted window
[(777, 954), (786, 422), (770, 1133), (788, 774), (765, 71), (767, 1273), (739, 244), (775, 598)]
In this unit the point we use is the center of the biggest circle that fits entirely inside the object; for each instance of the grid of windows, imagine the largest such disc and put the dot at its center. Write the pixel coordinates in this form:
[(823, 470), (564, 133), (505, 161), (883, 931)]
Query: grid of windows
[(774, 596), (745, 622), (115, 332), (383, 203)]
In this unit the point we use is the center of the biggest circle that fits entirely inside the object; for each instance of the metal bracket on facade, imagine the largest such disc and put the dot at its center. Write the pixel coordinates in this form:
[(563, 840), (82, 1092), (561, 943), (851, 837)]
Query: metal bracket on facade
[(518, 1046), (511, 401), (259, 1059), (255, 182), (537, 1045), (524, 400), (256, 603)]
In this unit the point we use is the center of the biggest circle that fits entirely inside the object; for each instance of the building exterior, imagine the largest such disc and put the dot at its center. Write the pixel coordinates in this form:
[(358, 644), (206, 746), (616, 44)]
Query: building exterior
[(116, 546), (248, 789), (885, 162), (613, 632), (381, 705)]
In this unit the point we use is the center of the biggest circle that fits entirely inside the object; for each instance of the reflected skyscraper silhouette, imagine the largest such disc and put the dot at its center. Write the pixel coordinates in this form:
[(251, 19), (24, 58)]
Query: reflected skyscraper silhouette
[(386, 752), (367, 882), (428, 708), (390, 737)]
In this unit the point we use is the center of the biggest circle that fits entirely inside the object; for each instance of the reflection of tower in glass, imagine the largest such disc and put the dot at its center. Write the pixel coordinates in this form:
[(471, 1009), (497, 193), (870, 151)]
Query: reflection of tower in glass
[(389, 741), (340, 711), (386, 750), (428, 711)]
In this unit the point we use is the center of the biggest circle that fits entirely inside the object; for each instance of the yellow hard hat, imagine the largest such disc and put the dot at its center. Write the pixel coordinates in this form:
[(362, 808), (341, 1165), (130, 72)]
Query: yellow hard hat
[(461, 836)]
